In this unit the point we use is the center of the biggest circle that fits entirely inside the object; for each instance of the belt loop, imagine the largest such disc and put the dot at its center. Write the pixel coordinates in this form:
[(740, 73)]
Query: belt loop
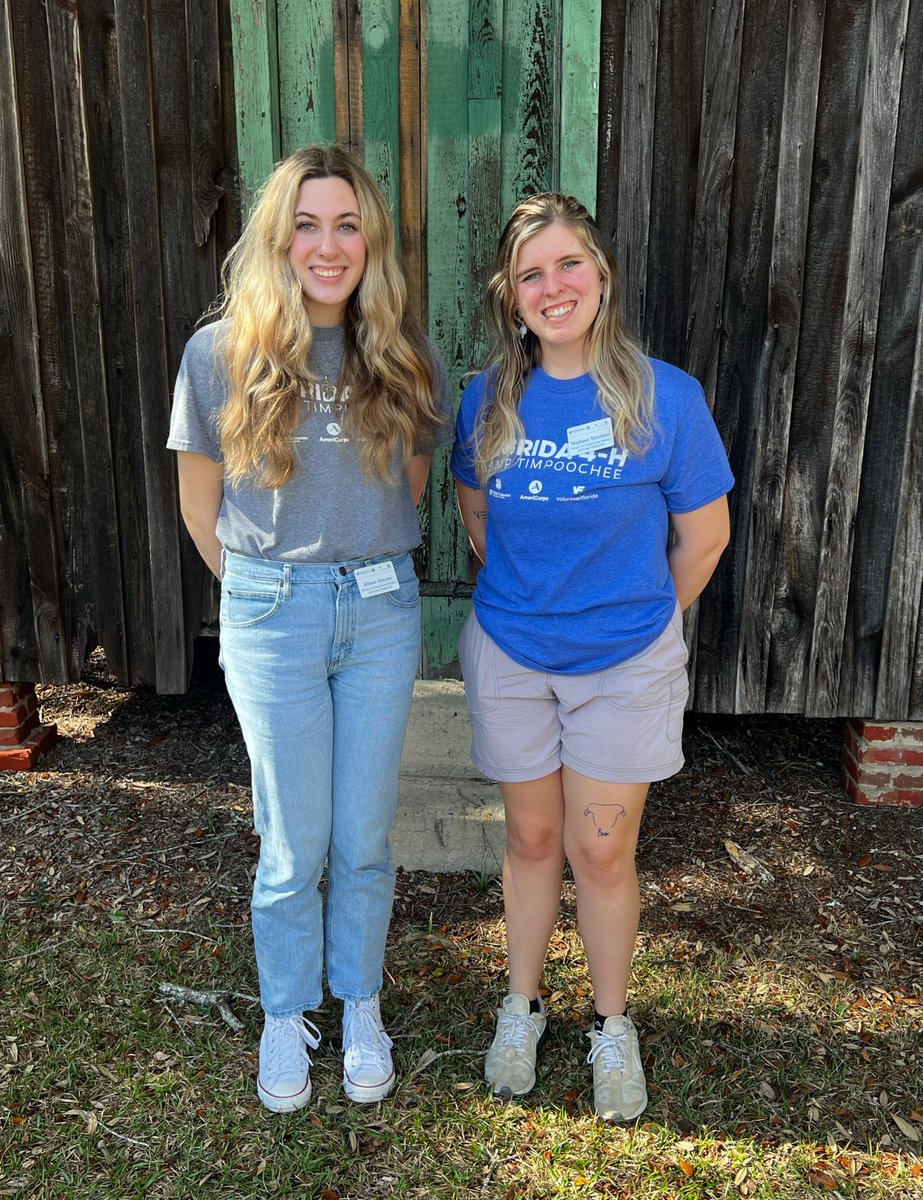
[(286, 581)]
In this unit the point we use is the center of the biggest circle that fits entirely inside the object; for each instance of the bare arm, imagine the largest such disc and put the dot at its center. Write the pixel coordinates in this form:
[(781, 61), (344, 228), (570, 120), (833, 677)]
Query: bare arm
[(417, 475), (201, 489), (701, 536), (472, 504)]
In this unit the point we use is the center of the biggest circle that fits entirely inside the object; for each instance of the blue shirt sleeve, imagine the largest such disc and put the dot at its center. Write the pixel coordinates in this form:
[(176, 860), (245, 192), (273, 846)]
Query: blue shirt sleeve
[(462, 461), (697, 470)]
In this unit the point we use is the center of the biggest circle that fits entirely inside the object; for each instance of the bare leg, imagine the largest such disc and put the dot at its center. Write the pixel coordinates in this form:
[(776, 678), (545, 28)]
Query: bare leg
[(601, 834), (532, 871)]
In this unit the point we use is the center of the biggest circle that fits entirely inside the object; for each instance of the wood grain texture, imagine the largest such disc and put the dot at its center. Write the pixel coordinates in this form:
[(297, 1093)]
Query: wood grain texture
[(863, 286), (347, 72), (412, 88), (642, 22), (448, 231), (760, 503), (307, 91), (203, 83), (259, 140), (530, 100), (154, 119), (381, 88), (579, 74), (612, 71)]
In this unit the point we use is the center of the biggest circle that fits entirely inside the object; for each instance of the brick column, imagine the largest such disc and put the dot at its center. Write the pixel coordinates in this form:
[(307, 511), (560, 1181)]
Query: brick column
[(883, 763), (23, 739)]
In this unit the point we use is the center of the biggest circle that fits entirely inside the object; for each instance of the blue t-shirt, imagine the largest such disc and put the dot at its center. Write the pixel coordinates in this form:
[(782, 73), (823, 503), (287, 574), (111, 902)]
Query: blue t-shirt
[(576, 578)]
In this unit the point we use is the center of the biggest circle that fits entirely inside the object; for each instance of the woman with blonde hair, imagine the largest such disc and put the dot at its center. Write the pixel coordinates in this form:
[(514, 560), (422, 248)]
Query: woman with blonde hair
[(305, 419), (575, 457)]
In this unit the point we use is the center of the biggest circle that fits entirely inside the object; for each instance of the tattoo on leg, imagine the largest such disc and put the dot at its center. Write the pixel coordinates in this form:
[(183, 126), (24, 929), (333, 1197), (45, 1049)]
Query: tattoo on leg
[(604, 817)]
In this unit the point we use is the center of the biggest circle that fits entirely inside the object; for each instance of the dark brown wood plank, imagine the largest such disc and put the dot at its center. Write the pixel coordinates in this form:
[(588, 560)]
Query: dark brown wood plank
[(412, 101), (206, 134), (760, 489), (347, 59), (611, 76), (528, 122), (146, 115), (677, 129), (642, 23), (31, 373), (856, 350), (843, 67), (95, 358)]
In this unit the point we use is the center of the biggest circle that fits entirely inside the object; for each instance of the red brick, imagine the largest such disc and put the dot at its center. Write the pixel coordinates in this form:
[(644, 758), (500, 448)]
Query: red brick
[(11, 716), (25, 756), (18, 734), (878, 767), (874, 733), (12, 693)]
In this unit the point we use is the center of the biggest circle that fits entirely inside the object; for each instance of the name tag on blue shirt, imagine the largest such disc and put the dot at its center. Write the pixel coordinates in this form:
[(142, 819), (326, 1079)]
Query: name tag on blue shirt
[(594, 435)]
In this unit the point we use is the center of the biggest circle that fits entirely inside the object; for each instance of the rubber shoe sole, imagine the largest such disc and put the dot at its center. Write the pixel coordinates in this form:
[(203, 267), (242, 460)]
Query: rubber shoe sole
[(505, 1094), (284, 1104), (360, 1094)]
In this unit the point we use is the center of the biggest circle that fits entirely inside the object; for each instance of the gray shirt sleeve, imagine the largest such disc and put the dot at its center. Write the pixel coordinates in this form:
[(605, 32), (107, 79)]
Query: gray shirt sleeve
[(200, 392)]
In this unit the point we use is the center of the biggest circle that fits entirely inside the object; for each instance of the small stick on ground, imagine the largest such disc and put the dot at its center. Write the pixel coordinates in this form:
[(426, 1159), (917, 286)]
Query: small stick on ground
[(215, 999)]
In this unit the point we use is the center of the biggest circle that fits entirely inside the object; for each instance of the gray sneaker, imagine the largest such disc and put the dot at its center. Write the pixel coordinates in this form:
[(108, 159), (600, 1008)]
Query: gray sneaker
[(619, 1089), (284, 1082), (510, 1064)]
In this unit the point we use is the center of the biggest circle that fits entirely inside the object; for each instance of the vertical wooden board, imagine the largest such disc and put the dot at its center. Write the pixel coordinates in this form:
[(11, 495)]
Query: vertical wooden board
[(898, 691), (412, 85), (32, 554), (580, 67), (206, 134), (843, 65), (761, 491), (612, 70), (707, 274), (530, 103), (885, 589), (485, 111), (856, 350), (347, 73), (85, 105), (447, 229), (154, 133), (677, 124), (307, 91), (639, 86), (253, 28), (381, 96)]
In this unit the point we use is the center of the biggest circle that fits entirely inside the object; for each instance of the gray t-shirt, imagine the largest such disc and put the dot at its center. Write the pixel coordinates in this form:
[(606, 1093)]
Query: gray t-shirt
[(329, 510)]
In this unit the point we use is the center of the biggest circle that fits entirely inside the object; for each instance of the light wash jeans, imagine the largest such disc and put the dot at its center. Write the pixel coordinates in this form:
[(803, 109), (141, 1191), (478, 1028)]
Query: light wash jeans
[(321, 680)]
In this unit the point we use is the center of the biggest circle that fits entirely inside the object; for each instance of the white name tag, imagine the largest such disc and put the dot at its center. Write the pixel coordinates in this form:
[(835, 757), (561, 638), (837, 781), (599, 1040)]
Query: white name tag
[(594, 435), (378, 578)]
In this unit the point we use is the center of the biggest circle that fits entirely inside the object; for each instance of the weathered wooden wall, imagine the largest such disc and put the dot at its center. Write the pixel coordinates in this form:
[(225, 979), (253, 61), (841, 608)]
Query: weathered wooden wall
[(761, 174), (116, 140), (460, 108)]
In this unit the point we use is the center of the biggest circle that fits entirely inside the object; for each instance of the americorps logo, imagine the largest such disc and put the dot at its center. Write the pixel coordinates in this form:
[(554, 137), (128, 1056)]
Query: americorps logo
[(535, 487), (333, 429)]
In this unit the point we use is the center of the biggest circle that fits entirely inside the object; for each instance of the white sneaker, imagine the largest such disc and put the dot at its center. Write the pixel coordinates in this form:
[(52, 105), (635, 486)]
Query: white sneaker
[(368, 1072), (284, 1082), (619, 1089), (510, 1064)]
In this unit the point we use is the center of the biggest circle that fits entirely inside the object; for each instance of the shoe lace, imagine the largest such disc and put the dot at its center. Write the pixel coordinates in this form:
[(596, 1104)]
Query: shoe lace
[(610, 1047), (513, 1029), (364, 1035), (288, 1040)]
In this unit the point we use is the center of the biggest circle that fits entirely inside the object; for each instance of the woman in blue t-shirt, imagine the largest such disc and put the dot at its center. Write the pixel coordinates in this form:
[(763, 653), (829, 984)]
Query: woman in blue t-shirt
[(575, 458), (304, 422)]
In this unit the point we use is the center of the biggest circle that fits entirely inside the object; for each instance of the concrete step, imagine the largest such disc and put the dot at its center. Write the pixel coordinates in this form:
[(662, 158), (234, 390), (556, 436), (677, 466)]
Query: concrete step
[(449, 817)]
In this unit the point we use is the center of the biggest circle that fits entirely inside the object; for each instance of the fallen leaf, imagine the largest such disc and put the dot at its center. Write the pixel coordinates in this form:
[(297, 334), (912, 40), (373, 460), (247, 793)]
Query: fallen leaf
[(686, 1167), (682, 907), (822, 1179), (906, 1128)]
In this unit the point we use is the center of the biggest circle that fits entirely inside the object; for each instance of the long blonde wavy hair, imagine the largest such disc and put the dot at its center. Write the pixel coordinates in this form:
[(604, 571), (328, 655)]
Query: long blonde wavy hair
[(386, 363), (614, 360)]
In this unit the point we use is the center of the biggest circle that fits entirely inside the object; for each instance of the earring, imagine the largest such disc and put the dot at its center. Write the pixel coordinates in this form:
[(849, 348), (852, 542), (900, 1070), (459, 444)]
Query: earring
[(523, 329)]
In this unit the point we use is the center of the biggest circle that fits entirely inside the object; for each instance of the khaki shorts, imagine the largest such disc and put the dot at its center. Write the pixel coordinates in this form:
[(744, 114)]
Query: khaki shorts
[(621, 725)]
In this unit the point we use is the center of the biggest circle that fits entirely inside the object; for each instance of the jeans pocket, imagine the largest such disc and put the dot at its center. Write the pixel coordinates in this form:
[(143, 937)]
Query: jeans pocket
[(408, 594), (248, 606)]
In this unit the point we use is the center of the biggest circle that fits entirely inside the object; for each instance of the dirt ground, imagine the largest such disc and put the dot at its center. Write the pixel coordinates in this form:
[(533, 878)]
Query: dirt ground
[(143, 807)]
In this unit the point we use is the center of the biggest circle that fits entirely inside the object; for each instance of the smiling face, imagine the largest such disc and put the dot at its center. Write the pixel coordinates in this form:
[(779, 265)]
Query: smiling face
[(558, 291), (328, 251)]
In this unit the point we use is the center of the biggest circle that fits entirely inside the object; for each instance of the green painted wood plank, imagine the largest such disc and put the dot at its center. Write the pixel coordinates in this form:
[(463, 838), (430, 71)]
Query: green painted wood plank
[(381, 86), (253, 40), (529, 108), (579, 133), (485, 112), (306, 86), (448, 252)]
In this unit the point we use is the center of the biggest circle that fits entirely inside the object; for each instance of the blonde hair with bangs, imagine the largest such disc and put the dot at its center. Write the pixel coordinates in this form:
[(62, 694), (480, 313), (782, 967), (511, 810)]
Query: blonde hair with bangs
[(620, 370), (386, 362)]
